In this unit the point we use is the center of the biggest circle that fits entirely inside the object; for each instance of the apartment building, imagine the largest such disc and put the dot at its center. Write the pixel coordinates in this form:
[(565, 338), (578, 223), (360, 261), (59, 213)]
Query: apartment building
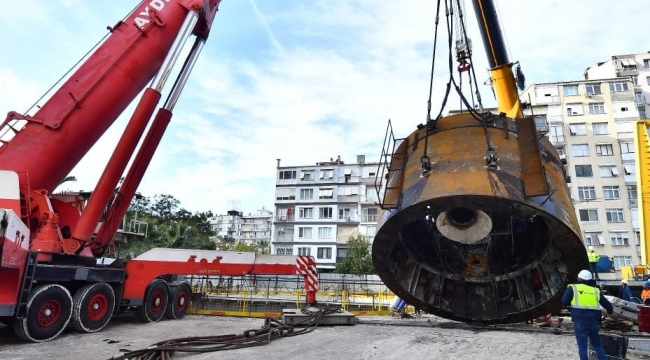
[(255, 229), (225, 225), (635, 67), (591, 123), (318, 207), (250, 229)]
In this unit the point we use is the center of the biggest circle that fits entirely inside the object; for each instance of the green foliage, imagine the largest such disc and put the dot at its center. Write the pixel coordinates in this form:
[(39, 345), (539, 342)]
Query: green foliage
[(243, 247), (359, 260), (170, 226)]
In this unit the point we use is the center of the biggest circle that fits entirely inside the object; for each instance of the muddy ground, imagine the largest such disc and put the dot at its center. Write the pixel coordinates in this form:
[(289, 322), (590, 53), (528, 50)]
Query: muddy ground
[(382, 338)]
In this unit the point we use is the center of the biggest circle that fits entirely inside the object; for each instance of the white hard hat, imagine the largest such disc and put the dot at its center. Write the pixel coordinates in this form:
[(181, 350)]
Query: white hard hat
[(584, 275), (591, 248), (624, 281)]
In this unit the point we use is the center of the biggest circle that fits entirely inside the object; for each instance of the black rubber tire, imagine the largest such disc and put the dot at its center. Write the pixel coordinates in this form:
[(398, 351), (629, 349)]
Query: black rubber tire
[(179, 300), (93, 307), (156, 298), (49, 309)]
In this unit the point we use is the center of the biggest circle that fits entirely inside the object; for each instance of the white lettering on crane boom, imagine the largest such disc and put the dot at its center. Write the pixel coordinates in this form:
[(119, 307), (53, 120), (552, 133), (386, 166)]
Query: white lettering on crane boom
[(143, 18)]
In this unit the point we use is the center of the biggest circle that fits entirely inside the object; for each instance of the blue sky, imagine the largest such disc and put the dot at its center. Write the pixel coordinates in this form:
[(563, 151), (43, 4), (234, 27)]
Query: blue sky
[(300, 81)]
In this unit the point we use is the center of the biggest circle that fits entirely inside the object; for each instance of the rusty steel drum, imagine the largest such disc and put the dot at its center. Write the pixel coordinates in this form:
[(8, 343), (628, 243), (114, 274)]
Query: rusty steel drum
[(478, 223)]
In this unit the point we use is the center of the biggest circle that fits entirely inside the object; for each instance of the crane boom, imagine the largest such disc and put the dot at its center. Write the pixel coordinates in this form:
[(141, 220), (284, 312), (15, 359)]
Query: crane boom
[(501, 75)]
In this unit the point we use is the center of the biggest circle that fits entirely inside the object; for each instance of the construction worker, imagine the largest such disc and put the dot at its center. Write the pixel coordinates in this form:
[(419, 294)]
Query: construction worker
[(583, 298), (624, 291), (645, 294), (593, 262)]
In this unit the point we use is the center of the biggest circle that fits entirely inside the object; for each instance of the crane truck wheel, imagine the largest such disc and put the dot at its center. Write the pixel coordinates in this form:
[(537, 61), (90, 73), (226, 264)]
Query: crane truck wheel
[(179, 300), (93, 307), (48, 312), (156, 298)]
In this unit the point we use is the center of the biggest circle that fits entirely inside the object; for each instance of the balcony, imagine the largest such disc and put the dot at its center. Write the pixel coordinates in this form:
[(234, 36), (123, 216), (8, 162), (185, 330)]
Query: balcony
[(285, 238), (284, 218), (623, 95), (369, 218)]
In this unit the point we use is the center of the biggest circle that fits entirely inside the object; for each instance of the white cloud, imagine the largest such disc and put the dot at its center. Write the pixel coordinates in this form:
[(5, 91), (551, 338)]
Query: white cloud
[(311, 81)]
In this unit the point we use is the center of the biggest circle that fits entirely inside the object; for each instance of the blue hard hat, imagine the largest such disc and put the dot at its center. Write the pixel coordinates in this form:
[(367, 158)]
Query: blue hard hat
[(603, 283), (646, 283)]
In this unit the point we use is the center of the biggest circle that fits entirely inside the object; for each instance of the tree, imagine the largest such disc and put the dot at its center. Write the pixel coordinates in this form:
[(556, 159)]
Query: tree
[(358, 260), (243, 247), (263, 246), (170, 226)]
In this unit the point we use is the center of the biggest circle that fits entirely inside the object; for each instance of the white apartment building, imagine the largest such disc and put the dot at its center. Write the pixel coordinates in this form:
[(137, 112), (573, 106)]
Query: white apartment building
[(591, 122), (635, 67), (251, 229), (255, 228), (318, 207), (226, 225)]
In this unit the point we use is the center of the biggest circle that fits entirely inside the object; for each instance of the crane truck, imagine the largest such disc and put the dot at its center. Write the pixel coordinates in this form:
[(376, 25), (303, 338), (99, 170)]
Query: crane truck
[(50, 243)]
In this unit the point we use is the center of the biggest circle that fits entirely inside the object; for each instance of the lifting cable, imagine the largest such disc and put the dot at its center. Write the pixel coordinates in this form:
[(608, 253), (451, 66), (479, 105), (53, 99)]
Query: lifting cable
[(271, 330), (477, 114)]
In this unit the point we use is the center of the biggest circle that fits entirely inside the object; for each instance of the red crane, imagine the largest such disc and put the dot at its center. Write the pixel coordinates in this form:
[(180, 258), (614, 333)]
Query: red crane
[(49, 244)]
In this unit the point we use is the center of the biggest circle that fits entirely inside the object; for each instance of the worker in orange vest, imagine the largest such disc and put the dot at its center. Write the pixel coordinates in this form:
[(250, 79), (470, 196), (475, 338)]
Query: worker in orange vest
[(593, 262), (645, 294)]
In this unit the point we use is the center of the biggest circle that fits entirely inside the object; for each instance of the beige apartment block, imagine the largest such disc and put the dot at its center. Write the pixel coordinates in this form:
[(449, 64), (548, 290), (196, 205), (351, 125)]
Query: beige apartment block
[(591, 122)]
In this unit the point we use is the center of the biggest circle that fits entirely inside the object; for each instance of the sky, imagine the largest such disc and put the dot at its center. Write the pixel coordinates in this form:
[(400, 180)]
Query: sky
[(300, 81)]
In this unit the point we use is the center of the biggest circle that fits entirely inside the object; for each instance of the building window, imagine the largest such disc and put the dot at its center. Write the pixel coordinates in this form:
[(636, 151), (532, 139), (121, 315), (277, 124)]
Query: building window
[(629, 169), (594, 238), (371, 230), (304, 232), (593, 89), (620, 261), (637, 238), (608, 170), (619, 86), (646, 63), (345, 214), (324, 232), (601, 128), (325, 193), (306, 194), (306, 213), (307, 175), (324, 253), (627, 148), (570, 90), (619, 238), (584, 171), (325, 213), (580, 150), (579, 129), (285, 194), (284, 251), (596, 108), (640, 99), (587, 192), (611, 193), (326, 174), (370, 214), (631, 194), (287, 174), (647, 80), (604, 150), (574, 109), (557, 134), (614, 215), (588, 215), (304, 251), (634, 79)]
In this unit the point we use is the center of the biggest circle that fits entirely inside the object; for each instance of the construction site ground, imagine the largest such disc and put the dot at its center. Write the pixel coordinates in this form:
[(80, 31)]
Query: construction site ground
[(372, 337)]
